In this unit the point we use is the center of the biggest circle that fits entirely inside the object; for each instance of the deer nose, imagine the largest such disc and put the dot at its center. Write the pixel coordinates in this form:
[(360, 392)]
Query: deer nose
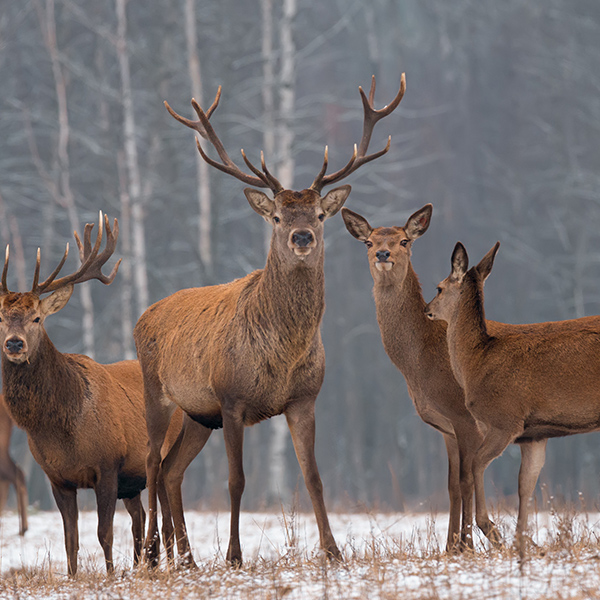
[(14, 345), (382, 255), (302, 238)]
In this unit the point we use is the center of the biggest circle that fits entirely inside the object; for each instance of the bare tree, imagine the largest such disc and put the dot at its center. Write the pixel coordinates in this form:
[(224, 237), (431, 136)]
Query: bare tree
[(138, 234)]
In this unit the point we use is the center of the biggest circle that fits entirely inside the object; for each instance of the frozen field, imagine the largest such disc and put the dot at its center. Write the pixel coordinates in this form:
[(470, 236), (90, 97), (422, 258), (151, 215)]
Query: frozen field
[(386, 556)]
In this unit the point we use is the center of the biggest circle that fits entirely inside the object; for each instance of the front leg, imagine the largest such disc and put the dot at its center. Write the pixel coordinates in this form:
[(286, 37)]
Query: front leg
[(233, 432), (66, 500), (300, 417), (106, 499)]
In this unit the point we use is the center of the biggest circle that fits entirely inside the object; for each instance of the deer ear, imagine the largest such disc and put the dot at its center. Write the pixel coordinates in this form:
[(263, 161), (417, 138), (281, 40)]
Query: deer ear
[(356, 224), (57, 300), (484, 268), (418, 222), (459, 262), (260, 202), (334, 200)]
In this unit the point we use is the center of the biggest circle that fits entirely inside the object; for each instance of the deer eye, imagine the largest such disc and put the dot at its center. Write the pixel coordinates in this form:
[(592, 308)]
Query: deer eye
[(439, 290), (276, 219), (36, 320), (404, 243), (369, 244), (322, 217)]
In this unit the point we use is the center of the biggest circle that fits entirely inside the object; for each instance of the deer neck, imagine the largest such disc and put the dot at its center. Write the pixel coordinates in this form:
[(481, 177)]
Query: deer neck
[(467, 331), (293, 298), (44, 393), (406, 332)]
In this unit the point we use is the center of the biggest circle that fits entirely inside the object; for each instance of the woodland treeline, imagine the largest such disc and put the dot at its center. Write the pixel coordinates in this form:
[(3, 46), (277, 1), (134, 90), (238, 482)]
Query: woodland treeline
[(499, 129)]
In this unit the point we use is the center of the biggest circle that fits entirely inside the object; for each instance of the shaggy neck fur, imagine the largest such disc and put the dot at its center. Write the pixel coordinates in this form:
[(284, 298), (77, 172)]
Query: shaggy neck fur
[(406, 331), (41, 394), (292, 299)]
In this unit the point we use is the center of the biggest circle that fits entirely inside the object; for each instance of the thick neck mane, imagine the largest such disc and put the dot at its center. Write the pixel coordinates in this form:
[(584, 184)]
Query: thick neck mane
[(290, 300), (43, 394), (406, 331)]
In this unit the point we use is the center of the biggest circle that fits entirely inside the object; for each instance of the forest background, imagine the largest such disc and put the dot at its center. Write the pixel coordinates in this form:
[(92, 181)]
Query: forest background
[(499, 129)]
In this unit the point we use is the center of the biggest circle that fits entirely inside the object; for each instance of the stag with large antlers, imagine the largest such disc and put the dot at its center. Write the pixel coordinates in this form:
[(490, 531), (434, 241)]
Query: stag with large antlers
[(235, 354), (85, 421)]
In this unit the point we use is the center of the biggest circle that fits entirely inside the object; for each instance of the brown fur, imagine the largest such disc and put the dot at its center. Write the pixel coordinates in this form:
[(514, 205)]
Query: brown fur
[(84, 421), (523, 383), (9, 471), (235, 354), (419, 349)]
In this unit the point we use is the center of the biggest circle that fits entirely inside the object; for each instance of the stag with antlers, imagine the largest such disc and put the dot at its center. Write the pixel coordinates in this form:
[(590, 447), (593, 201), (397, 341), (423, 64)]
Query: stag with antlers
[(84, 421), (235, 354)]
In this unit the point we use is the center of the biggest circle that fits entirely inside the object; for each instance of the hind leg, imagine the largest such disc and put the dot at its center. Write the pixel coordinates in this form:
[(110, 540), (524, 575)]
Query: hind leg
[(190, 442), (138, 519)]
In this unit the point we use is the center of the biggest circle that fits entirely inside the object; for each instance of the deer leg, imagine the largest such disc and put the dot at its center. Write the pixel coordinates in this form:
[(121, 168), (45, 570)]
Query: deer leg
[(4, 488), (454, 493), (494, 443), (301, 421), (167, 519), (22, 499), (233, 432), (533, 456), (66, 500), (106, 499), (190, 442), (158, 418), (138, 518)]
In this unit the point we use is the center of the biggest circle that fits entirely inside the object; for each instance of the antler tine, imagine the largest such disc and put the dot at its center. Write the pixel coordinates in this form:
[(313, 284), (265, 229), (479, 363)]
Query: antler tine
[(205, 129), (36, 274), (196, 125), (5, 289), (273, 182), (371, 117), (52, 275), (256, 171), (91, 261)]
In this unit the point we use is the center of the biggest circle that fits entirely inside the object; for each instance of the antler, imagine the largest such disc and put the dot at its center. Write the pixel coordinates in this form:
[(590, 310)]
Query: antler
[(91, 261), (262, 179), (360, 156)]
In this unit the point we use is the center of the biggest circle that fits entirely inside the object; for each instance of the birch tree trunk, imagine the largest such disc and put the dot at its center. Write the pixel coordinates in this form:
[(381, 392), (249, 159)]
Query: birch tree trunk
[(62, 192), (140, 274), (285, 135), (202, 170), (268, 92)]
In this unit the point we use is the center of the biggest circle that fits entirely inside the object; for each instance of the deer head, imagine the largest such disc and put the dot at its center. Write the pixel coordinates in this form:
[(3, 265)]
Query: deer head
[(388, 248), (22, 315), (297, 217), (449, 291)]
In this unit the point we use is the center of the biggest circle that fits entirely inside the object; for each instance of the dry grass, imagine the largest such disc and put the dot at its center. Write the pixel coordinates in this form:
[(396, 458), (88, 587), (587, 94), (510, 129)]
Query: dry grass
[(566, 564)]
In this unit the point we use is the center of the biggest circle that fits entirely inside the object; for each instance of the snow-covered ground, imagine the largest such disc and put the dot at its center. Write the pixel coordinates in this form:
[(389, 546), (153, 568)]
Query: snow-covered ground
[(387, 556)]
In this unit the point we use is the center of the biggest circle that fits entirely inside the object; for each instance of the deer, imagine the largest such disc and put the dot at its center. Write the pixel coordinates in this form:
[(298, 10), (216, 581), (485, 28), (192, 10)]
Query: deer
[(526, 384), (84, 421), (10, 473), (235, 354), (418, 347)]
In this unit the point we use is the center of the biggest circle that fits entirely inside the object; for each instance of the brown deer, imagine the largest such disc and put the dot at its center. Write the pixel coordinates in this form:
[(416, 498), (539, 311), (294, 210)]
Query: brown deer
[(84, 421), (9, 471), (235, 354), (418, 348), (523, 385)]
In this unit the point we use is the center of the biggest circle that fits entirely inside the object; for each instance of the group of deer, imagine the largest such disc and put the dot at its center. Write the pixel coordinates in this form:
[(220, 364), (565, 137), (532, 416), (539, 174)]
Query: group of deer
[(228, 356)]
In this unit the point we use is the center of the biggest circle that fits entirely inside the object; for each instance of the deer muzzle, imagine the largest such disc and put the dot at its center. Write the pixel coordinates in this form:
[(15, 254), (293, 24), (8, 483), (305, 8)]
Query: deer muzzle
[(15, 348), (302, 241)]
